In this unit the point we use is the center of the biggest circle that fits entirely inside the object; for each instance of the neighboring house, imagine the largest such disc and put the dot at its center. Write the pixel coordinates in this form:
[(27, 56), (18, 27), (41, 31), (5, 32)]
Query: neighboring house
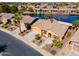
[(6, 16)]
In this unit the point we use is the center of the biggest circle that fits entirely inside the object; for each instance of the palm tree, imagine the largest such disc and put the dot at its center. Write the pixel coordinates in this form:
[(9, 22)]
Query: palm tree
[(18, 17)]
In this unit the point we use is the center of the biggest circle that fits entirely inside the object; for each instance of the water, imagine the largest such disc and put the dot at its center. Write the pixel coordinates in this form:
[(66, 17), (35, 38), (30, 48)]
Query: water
[(68, 19)]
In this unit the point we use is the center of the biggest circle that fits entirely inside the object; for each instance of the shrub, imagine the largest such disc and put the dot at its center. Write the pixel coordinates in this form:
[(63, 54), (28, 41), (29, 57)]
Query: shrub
[(37, 37), (58, 43)]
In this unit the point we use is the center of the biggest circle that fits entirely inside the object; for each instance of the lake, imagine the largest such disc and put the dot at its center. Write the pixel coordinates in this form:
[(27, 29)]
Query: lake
[(68, 19)]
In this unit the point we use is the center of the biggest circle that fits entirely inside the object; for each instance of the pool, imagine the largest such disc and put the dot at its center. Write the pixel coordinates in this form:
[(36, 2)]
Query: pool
[(68, 19)]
